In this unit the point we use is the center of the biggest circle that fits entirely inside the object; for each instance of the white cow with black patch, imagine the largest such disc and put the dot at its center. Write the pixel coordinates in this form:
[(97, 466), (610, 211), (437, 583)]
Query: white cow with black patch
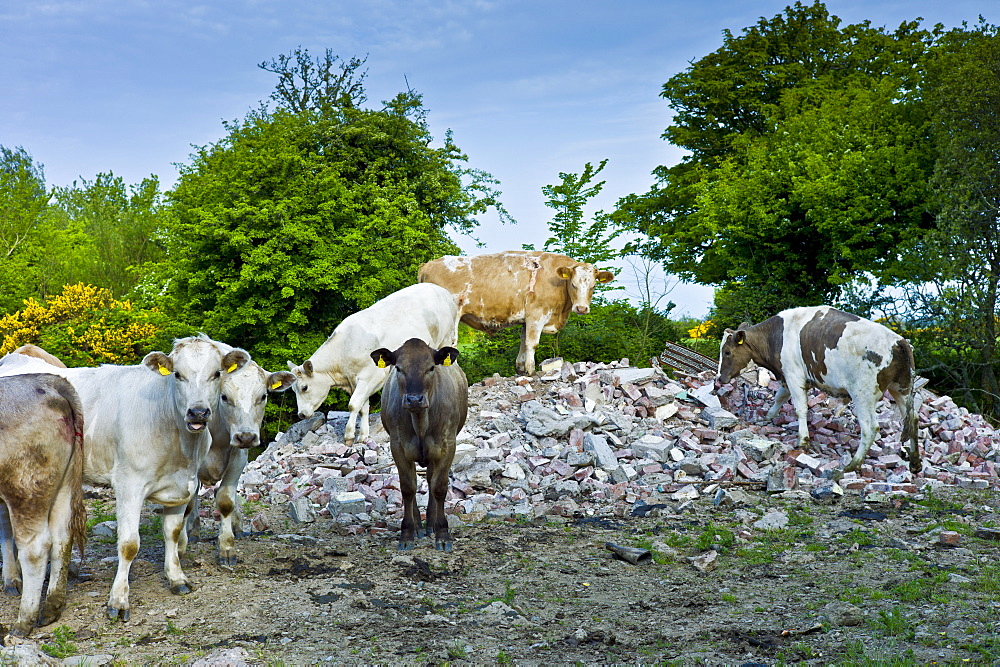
[(840, 353)]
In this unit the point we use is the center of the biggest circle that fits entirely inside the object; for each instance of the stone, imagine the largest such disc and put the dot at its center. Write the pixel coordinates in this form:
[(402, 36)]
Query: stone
[(987, 533), (665, 412), (653, 447), (773, 519), (705, 394), (719, 419), (758, 449), (297, 431), (604, 456), (346, 502), (949, 538), (687, 492), (706, 562), (636, 375), (839, 614), (105, 529), (564, 487), (827, 492), (301, 510)]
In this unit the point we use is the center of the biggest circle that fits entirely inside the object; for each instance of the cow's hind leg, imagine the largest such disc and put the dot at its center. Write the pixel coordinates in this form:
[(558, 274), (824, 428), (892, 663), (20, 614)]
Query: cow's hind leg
[(437, 487), (173, 528), (226, 502), (34, 543), (908, 414), (530, 335), (864, 409), (411, 527), (801, 404), (60, 527), (368, 382), (779, 400), (192, 523), (11, 568)]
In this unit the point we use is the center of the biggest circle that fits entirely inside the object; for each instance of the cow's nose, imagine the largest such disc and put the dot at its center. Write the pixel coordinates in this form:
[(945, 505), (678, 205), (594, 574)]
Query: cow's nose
[(198, 414), (303, 415), (246, 439), (582, 310), (413, 400)]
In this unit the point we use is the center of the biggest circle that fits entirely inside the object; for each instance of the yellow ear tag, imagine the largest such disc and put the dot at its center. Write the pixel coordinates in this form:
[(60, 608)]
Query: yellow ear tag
[(381, 362), (276, 384), (233, 367), (447, 361), (164, 371), (739, 342)]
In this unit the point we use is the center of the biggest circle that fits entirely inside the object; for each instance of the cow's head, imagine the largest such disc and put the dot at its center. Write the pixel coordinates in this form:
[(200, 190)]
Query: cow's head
[(311, 388), (242, 400), (734, 353), (580, 281), (416, 365), (195, 367)]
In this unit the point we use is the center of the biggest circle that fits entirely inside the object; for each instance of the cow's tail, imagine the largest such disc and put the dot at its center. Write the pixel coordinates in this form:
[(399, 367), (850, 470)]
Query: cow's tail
[(78, 511), (909, 407)]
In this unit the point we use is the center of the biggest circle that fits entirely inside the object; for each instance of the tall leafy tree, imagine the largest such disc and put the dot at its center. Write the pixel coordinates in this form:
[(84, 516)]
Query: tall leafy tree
[(23, 203), (304, 214), (776, 201)]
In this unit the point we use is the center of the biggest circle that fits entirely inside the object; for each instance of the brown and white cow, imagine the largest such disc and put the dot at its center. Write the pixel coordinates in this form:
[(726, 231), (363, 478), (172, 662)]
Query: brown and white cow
[(838, 352), (424, 406), (30, 350), (536, 289), (41, 471)]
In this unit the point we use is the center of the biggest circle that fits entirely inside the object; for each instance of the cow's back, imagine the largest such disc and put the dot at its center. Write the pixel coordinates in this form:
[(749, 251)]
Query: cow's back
[(499, 289)]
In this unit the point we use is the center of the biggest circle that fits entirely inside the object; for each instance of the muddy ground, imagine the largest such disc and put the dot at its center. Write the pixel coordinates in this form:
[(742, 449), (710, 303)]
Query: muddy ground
[(549, 591)]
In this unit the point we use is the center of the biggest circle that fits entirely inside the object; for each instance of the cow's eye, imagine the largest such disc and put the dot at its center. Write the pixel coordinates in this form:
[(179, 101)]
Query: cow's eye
[(304, 389), (263, 399), (178, 375), (225, 399), (217, 375)]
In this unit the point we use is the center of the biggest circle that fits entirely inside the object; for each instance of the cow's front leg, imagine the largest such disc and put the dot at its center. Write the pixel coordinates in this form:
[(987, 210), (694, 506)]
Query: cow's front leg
[(8, 549), (411, 528), (226, 502), (192, 522), (129, 507), (800, 401), (437, 487), (173, 528), (864, 409), (530, 335), (779, 400), (368, 382)]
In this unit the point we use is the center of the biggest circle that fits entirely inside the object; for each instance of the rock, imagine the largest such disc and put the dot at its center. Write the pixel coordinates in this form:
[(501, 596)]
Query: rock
[(719, 419), (542, 422), (827, 492), (301, 510), (987, 533), (687, 492), (706, 562), (230, 657), (839, 614), (949, 538), (564, 487), (758, 449), (603, 455), (706, 396), (105, 529), (653, 447), (297, 431), (26, 654), (773, 519), (636, 375), (346, 502)]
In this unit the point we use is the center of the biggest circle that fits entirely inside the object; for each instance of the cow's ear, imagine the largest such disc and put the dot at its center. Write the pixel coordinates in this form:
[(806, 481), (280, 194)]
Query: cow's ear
[(235, 360), (307, 368), (744, 325), (291, 366), (564, 272), (446, 356), (158, 363), (740, 336), (605, 276), (383, 358), (280, 381)]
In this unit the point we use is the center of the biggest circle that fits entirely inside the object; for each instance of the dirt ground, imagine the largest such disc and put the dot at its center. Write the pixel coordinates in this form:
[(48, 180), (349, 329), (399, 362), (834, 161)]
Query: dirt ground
[(549, 591)]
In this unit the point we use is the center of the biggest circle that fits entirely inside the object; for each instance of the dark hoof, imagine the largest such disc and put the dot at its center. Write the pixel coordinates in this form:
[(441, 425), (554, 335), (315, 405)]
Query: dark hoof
[(241, 534), (405, 546), (49, 616), (12, 590), (118, 614), (441, 545), (181, 589), (18, 631), (227, 561)]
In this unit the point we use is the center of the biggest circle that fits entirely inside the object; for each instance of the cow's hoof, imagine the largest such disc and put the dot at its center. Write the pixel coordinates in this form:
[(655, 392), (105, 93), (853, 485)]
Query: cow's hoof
[(227, 561), (13, 589), (405, 546), (916, 467), (181, 589), (118, 614), (442, 545), (852, 466)]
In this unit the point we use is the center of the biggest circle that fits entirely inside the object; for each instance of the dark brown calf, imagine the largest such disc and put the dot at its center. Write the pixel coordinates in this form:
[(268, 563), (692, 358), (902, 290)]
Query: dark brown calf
[(424, 406), (41, 468)]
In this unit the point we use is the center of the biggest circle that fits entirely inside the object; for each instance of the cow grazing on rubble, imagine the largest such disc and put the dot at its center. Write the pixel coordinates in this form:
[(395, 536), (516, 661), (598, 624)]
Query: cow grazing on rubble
[(840, 353), (146, 436), (424, 406), (42, 513), (235, 427), (535, 289), (428, 312)]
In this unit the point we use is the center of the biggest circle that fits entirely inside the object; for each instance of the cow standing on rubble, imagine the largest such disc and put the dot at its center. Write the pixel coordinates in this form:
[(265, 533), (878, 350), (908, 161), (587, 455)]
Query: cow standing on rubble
[(840, 353), (536, 289), (424, 405)]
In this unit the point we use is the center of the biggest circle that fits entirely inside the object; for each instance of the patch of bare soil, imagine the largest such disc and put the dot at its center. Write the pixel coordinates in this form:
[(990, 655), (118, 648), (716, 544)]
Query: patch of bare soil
[(849, 582)]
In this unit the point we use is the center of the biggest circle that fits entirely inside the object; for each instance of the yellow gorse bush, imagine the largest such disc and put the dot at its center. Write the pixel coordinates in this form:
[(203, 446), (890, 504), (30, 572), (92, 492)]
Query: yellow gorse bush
[(700, 330), (85, 320)]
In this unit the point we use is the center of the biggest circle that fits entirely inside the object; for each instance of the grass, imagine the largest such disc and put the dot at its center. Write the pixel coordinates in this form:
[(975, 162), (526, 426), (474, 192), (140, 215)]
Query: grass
[(99, 512), (893, 623), (62, 645)]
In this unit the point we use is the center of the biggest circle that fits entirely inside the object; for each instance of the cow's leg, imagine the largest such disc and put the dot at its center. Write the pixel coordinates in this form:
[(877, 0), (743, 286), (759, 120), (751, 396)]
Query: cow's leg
[(368, 382), (864, 410), (173, 529), (60, 528), (411, 527), (192, 523), (530, 335), (779, 400), (34, 543), (225, 501), (908, 414), (437, 487), (8, 549), (129, 507), (800, 401)]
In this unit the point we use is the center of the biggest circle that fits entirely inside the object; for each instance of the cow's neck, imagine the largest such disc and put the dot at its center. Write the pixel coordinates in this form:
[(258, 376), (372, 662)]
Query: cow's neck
[(765, 341)]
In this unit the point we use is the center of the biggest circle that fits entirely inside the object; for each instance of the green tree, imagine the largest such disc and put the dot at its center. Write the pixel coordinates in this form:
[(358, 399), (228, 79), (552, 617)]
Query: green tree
[(112, 228), (23, 202), (802, 172), (301, 216)]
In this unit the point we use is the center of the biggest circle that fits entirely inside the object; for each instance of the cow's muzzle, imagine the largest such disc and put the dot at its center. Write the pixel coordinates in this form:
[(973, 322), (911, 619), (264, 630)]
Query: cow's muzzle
[(415, 402), (246, 439), (581, 310), (197, 419)]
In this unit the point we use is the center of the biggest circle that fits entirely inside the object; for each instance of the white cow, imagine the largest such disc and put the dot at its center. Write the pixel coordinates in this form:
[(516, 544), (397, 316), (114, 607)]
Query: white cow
[(146, 435), (425, 311), (235, 427)]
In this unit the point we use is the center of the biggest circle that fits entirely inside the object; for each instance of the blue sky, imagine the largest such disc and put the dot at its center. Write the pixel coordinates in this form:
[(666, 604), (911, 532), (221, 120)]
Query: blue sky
[(530, 88)]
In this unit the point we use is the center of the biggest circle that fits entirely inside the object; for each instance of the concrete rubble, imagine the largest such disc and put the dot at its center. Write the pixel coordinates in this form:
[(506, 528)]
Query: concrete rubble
[(603, 439)]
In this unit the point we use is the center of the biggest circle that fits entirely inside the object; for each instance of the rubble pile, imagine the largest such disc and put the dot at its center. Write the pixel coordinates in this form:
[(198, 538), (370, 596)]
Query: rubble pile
[(610, 439)]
